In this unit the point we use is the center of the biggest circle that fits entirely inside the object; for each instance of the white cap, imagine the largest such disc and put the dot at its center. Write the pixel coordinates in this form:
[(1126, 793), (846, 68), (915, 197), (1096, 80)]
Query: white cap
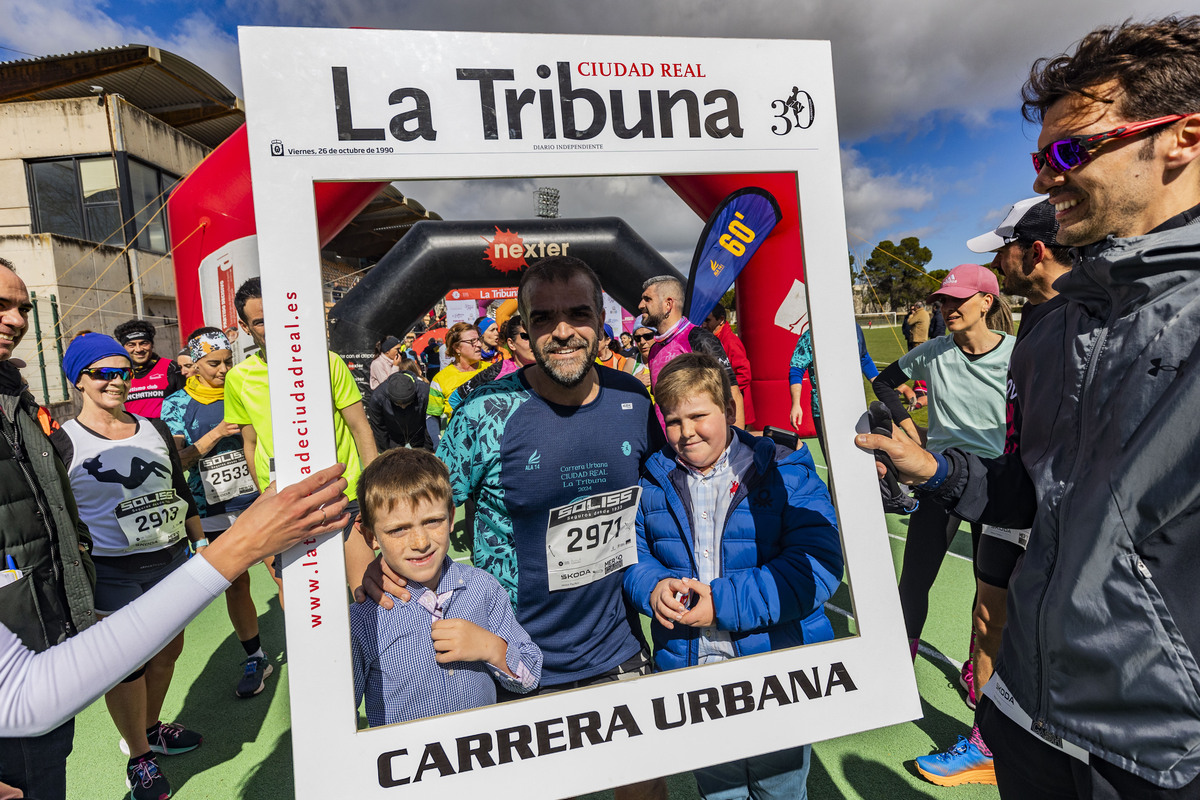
[(993, 240)]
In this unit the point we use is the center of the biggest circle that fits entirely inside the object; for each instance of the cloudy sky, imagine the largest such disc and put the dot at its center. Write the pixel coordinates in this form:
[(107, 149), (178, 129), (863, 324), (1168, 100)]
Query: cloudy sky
[(933, 143)]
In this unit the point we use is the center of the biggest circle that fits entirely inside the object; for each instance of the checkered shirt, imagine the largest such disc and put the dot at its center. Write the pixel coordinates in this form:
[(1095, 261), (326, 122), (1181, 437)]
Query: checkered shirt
[(393, 655), (711, 493)]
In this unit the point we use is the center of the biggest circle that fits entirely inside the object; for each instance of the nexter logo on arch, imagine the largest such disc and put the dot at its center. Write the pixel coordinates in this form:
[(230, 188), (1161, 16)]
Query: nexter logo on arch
[(508, 250)]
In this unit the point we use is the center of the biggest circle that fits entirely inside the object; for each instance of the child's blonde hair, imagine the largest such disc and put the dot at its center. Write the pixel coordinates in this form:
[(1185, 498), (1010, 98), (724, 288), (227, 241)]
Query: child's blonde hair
[(693, 375), (401, 474)]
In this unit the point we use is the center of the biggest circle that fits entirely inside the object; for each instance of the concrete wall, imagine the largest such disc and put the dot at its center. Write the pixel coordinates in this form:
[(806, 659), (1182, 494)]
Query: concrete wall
[(49, 128), (93, 285), (145, 137), (90, 289), (79, 127)]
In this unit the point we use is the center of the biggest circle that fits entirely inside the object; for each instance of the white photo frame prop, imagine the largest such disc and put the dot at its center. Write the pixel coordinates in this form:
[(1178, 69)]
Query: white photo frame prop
[(419, 105)]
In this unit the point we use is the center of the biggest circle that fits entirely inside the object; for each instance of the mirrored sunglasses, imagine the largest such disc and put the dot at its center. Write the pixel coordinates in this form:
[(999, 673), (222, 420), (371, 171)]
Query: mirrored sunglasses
[(1075, 151), (108, 373)]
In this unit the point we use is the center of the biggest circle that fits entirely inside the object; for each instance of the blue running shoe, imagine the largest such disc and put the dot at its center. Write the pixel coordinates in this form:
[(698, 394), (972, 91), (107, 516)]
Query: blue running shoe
[(255, 671), (962, 763)]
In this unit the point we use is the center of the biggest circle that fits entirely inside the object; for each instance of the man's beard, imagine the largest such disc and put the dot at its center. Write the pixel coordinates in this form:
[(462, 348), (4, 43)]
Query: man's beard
[(566, 375), (1019, 284), (262, 345), (651, 320)]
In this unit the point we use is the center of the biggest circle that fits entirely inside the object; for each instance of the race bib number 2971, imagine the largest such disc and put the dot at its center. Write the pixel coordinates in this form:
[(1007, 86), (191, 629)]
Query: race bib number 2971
[(591, 538)]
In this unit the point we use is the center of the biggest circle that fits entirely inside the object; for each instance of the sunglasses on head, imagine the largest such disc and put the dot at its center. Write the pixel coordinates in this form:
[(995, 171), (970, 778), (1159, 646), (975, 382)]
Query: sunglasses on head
[(1067, 154), (108, 373), (644, 337)]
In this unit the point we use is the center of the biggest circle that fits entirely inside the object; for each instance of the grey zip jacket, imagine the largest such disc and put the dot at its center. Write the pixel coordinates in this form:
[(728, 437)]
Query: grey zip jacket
[(1103, 627)]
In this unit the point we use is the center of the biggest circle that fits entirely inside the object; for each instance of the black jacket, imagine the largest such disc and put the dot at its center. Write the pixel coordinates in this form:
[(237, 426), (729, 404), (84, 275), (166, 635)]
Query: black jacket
[(1103, 629), (397, 427), (39, 529)]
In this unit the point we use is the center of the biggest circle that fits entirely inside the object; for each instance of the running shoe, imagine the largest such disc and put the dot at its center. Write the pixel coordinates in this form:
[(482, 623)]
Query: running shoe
[(962, 763), (144, 780), (966, 679), (255, 671), (168, 739), (171, 738)]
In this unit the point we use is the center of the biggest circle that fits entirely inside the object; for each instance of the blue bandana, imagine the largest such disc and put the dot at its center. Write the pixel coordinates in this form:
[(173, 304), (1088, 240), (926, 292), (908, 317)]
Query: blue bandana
[(87, 349)]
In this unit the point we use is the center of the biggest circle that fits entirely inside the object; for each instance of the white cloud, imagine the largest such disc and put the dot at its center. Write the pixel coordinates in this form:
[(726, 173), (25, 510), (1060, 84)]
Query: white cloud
[(876, 203), (895, 62), (200, 40), (66, 26)]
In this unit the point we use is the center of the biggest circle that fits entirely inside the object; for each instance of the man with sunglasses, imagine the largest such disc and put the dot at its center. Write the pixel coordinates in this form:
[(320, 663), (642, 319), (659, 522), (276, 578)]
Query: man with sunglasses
[(43, 542), (643, 340), (1095, 688)]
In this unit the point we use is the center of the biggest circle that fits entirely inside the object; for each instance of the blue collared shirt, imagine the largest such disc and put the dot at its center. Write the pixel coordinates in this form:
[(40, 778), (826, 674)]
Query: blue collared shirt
[(710, 493), (393, 655)]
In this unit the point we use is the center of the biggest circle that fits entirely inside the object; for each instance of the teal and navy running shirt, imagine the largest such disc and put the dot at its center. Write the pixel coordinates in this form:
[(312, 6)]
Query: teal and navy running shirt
[(519, 456)]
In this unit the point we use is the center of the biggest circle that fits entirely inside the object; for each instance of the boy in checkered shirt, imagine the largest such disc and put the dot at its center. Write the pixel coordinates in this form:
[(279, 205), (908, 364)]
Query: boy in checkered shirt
[(445, 648)]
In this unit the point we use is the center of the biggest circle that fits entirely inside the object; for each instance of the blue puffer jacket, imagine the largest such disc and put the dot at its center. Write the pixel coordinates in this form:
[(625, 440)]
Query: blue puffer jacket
[(780, 554)]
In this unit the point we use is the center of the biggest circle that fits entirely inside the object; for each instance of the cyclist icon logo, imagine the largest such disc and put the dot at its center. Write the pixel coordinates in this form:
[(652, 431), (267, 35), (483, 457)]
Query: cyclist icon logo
[(795, 113)]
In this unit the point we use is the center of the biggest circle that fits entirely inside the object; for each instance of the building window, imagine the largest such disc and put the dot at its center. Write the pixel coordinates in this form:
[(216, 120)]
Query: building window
[(101, 203), (56, 206), (82, 198), (146, 186)]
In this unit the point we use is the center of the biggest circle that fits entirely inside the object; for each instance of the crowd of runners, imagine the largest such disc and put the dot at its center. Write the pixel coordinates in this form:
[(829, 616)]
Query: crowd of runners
[(606, 478)]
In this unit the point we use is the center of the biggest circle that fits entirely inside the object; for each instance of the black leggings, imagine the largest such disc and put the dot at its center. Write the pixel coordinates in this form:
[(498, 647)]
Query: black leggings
[(1027, 768), (931, 528)]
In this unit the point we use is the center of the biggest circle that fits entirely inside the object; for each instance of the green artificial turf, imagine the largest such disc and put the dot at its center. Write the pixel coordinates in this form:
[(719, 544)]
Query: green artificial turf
[(247, 749)]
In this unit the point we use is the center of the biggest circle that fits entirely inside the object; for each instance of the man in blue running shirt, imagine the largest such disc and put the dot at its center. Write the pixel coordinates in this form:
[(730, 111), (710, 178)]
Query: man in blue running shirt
[(551, 456)]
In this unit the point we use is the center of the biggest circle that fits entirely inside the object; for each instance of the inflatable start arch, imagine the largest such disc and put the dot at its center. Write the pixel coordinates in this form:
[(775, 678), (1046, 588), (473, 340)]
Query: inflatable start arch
[(212, 218)]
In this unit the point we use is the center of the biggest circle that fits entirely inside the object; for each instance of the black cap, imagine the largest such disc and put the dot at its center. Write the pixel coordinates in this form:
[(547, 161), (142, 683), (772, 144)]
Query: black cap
[(1038, 224), (401, 388), (389, 343), (1028, 220)]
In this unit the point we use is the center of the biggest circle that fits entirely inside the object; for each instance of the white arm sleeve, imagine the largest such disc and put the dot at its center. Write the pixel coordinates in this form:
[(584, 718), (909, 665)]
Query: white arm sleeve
[(40, 691)]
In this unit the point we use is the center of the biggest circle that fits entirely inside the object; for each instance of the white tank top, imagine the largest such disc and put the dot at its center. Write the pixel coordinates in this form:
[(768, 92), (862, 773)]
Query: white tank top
[(124, 491)]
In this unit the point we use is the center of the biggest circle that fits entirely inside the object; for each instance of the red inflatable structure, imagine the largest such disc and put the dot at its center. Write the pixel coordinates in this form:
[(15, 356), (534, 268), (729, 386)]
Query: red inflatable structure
[(213, 208)]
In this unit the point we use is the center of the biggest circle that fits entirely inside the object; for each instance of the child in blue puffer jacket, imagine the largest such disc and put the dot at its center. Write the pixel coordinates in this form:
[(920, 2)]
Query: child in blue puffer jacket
[(738, 551)]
